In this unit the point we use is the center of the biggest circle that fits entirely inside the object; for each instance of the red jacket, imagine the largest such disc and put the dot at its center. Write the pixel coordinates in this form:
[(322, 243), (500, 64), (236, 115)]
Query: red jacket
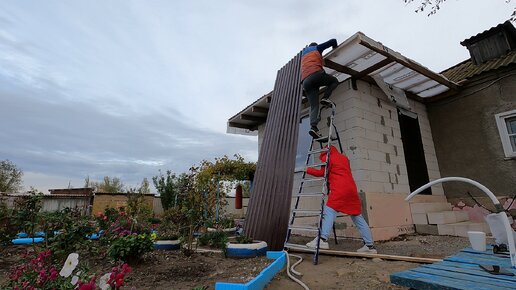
[(343, 195)]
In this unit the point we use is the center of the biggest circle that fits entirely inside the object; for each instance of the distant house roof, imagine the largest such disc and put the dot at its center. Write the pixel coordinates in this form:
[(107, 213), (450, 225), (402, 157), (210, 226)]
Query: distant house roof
[(489, 50), (468, 69)]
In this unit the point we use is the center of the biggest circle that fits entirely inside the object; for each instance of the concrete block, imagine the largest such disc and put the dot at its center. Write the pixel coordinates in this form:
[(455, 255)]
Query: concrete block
[(387, 233), (461, 216), (381, 206), (425, 207), (373, 135), (419, 218), (446, 230), (443, 217), (379, 176), (427, 229), (422, 198), (372, 186), (461, 229)]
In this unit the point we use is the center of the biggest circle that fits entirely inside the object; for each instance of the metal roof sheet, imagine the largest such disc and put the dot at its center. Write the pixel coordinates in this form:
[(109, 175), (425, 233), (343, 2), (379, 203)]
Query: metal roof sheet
[(360, 53), (360, 57)]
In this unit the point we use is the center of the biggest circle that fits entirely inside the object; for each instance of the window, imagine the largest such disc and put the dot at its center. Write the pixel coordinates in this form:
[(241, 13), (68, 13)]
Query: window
[(507, 128), (303, 143)]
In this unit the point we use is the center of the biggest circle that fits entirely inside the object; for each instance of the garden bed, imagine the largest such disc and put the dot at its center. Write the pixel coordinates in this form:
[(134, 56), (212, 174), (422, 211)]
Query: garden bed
[(166, 269)]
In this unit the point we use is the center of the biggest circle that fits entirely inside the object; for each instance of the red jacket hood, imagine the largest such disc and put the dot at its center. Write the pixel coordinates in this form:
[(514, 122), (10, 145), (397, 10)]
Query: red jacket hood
[(322, 156)]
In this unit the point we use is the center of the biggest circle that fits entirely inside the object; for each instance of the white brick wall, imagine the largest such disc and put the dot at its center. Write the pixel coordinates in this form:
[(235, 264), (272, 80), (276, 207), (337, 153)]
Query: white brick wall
[(369, 129)]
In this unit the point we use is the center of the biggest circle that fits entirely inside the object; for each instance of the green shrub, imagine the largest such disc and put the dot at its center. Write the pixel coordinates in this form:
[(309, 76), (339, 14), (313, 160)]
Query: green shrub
[(72, 230), (214, 239), (244, 240), (131, 248)]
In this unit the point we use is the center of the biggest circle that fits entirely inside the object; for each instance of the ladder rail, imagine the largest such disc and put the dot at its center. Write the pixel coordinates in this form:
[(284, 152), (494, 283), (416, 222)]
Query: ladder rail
[(332, 130)]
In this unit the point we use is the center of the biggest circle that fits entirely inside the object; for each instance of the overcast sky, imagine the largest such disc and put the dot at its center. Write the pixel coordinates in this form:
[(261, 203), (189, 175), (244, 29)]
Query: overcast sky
[(126, 88)]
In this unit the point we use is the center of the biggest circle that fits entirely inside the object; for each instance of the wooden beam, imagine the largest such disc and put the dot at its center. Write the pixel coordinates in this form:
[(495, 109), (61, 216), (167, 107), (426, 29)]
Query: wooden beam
[(253, 118), (410, 64), (268, 99), (241, 126), (256, 109), (340, 68), (367, 255), (374, 68)]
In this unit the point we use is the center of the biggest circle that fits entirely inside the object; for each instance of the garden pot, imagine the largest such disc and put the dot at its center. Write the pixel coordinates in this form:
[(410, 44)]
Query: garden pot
[(256, 248), (167, 244)]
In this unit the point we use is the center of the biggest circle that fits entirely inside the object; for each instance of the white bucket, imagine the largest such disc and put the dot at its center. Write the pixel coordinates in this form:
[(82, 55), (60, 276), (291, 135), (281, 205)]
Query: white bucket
[(477, 240)]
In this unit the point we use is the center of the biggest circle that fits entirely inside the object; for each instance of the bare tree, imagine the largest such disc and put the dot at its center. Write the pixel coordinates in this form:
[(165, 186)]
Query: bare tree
[(432, 6)]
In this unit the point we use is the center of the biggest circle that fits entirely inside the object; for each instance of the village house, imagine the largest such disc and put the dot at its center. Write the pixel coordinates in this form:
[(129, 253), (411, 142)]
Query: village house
[(403, 125)]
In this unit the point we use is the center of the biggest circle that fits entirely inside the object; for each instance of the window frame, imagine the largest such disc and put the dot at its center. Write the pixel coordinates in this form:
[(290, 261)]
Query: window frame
[(504, 133)]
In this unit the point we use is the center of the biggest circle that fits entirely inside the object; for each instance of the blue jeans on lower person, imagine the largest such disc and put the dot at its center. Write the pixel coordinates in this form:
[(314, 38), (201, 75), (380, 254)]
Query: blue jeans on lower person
[(329, 215)]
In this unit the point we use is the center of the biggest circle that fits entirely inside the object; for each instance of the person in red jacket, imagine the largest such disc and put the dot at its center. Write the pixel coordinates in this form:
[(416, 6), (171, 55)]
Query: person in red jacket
[(313, 77), (343, 197)]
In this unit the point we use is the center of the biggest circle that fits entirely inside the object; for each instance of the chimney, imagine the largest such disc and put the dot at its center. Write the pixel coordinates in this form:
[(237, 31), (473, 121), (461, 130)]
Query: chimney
[(492, 43)]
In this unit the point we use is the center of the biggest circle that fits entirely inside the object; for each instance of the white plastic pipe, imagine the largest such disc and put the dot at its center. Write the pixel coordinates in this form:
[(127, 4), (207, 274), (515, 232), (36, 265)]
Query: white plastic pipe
[(499, 208)]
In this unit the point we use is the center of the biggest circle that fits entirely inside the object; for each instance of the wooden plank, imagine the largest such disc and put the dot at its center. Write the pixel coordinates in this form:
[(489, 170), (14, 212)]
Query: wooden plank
[(467, 277), (385, 51), (256, 109), (479, 259), (242, 126), (374, 67), (340, 68), (253, 118), (366, 255), (423, 281), (470, 269)]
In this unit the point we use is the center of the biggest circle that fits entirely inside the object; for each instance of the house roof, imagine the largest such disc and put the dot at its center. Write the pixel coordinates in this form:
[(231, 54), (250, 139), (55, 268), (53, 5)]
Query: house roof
[(359, 57), (468, 69)]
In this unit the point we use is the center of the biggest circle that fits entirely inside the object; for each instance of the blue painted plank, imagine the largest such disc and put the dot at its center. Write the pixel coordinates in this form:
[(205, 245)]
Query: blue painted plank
[(423, 281), (463, 257), (262, 279), (470, 268), (466, 277)]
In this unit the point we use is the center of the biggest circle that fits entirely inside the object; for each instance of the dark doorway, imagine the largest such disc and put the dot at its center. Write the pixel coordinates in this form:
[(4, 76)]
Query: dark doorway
[(414, 152)]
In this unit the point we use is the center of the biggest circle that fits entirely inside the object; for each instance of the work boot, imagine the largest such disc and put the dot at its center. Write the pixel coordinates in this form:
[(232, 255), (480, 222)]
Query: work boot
[(367, 249), (326, 103), (322, 244), (314, 132)]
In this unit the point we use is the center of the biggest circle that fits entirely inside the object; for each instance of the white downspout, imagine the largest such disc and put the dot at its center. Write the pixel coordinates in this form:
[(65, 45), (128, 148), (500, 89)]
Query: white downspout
[(498, 206)]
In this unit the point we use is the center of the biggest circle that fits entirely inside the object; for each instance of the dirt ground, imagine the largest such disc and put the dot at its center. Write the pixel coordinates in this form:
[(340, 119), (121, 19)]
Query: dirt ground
[(172, 270), (356, 273)]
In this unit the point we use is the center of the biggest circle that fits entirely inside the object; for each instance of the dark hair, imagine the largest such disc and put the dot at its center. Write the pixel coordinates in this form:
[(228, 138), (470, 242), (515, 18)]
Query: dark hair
[(313, 44)]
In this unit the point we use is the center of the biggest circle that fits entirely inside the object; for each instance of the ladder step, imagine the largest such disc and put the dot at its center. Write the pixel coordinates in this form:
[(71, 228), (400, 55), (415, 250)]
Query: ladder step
[(298, 246), (325, 139), (318, 151), (298, 228), (313, 179), (316, 165), (310, 194), (309, 212)]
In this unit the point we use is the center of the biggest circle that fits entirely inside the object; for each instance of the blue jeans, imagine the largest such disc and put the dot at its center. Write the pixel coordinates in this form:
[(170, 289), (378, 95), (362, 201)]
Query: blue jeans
[(329, 215)]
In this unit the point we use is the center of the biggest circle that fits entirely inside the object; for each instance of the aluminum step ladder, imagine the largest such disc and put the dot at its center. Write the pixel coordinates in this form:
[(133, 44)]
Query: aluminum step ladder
[(296, 212)]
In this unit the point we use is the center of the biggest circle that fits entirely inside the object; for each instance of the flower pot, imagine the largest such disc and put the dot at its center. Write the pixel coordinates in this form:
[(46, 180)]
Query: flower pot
[(256, 248), (167, 245)]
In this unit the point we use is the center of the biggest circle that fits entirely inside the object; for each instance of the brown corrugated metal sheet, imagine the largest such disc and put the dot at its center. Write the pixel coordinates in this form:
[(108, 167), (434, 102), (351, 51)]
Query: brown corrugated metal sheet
[(269, 205)]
